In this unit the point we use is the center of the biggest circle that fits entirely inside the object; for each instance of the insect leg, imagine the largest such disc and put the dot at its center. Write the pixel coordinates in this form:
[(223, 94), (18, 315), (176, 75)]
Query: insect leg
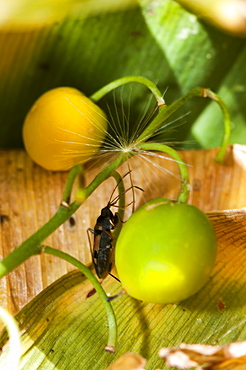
[(88, 235)]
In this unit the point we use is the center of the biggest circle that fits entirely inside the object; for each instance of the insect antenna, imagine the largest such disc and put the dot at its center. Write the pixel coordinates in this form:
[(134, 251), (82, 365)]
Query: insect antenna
[(114, 277), (113, 201)]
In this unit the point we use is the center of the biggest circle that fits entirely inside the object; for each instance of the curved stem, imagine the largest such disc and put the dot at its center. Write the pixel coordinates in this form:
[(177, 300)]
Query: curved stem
[(125, 80), (14, 353), (227, 125), (112, 337), (30, 246), (73, 174), (166, 111), (185, 187)]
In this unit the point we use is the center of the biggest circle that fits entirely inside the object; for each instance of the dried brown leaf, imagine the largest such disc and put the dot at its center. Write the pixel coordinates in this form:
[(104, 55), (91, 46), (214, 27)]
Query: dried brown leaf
[(226, 357), (234, 364)]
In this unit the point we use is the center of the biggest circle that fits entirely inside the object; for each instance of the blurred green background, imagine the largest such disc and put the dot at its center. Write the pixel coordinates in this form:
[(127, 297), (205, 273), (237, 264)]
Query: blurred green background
[(156, 39)]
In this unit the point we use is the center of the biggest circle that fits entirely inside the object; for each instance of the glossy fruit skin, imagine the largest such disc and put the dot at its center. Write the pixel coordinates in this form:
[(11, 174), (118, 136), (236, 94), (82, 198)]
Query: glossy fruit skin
[(63, 128), (165, 252)]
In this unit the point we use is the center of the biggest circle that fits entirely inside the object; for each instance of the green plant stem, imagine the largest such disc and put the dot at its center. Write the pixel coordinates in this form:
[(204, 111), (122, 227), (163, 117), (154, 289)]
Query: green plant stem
[(83, 194), (112, 337), (73, 174), (166, 111), (227, 125), (31, 246), (14, 352), (185, 187), (125, 80)]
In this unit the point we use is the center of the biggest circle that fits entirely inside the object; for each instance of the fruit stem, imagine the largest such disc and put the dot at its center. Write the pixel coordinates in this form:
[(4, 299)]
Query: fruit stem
[(227, 125), (112, 336), (165, 111), (76, 171), (125, 80), (185, 187)]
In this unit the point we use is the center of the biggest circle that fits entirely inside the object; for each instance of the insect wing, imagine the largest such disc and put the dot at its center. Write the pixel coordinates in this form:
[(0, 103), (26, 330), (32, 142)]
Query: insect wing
[(94, 245), (104, 262), (104, 254)]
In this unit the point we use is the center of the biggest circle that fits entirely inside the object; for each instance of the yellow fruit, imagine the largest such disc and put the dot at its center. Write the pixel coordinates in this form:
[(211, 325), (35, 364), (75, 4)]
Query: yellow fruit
[(63, 128)]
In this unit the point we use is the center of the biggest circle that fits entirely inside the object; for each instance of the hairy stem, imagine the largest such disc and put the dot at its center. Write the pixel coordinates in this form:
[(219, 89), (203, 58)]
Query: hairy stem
[(112, 325)]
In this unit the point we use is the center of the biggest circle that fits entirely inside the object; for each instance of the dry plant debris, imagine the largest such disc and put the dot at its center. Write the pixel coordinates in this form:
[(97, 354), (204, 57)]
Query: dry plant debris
[(229, 356)]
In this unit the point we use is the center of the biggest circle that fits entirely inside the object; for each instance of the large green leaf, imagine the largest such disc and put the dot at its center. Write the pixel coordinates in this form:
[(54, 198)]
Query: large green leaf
[(158, 40)]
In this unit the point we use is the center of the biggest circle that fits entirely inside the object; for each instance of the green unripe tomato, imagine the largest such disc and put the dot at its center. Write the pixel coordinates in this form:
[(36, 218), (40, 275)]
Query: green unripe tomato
[(63, 128), (165, 252)]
